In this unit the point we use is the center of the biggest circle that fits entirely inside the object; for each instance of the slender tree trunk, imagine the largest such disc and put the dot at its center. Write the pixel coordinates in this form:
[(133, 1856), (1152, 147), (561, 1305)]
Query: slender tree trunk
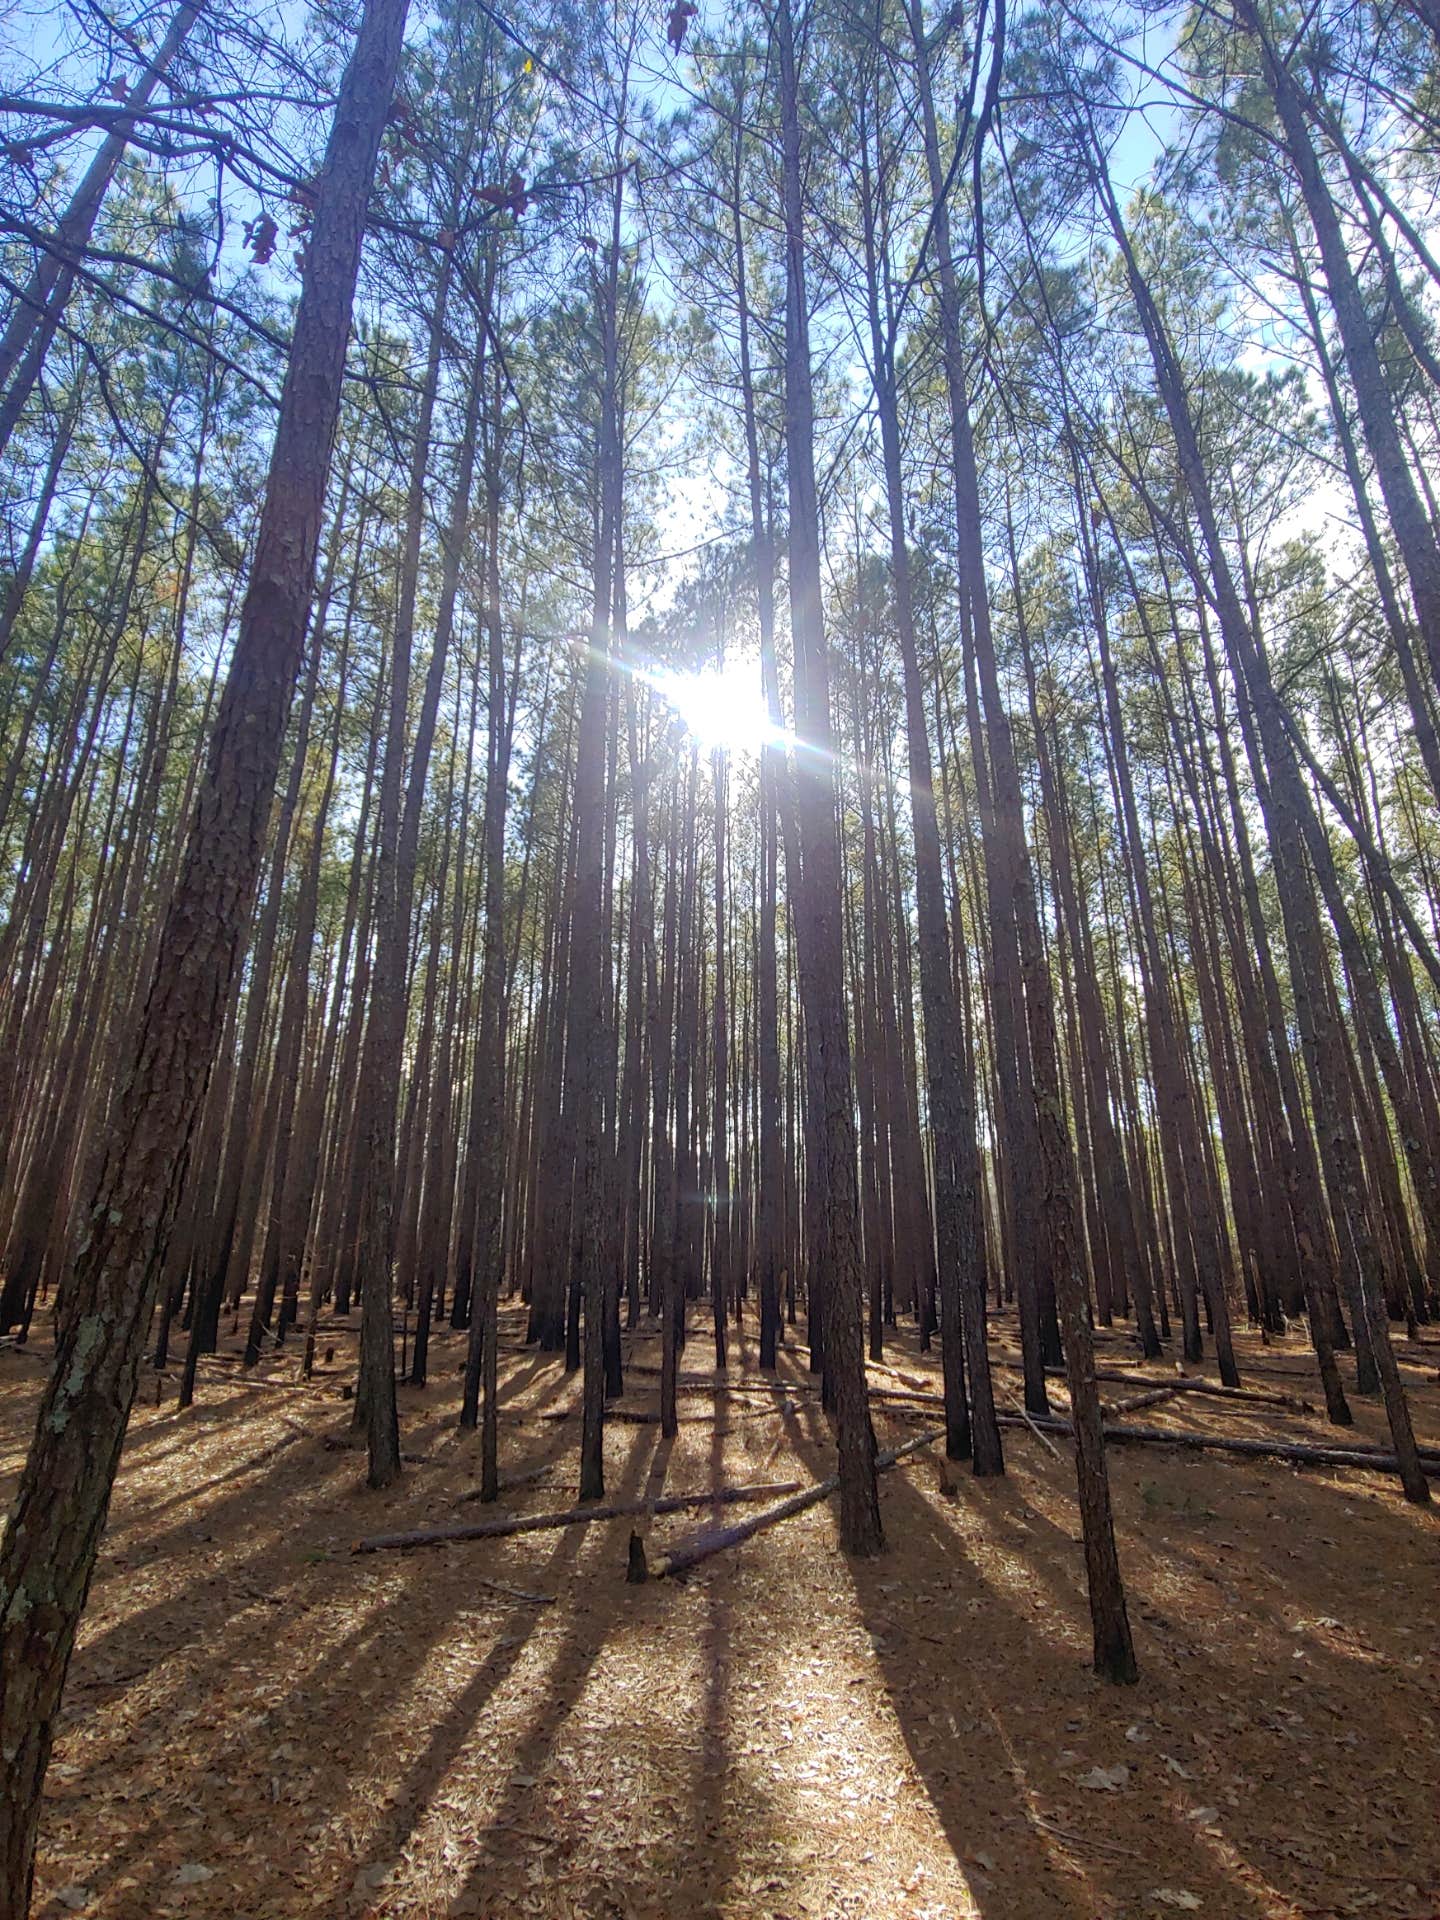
[(834, 1207), (48, 1552)]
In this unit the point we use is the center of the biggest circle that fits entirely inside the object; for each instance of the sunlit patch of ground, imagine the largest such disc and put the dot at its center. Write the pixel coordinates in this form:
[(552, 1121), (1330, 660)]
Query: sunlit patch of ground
[(260, 1723)]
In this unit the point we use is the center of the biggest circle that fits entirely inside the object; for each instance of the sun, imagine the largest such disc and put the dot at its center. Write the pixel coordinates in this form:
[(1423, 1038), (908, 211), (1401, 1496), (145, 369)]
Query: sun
[(722, 707)]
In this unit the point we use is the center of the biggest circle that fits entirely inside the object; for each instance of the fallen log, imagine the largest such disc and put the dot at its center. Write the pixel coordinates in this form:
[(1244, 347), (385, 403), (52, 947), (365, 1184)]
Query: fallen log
[(1243, 1402), (777, 1394), (514, 1480), (918, 1381), (259, 1383), (1213, 1390), (1023, 1413), (641, 1417), (1109, 1408), (683, 1558), (623, 1416), (1404, 1359), (1372, 1459), (1184, 1383), (722, 1383), (509, 1523)]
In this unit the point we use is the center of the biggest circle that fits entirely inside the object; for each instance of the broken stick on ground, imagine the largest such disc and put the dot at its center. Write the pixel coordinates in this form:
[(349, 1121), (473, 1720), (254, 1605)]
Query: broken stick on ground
[(708, 1544), (571, 1517)]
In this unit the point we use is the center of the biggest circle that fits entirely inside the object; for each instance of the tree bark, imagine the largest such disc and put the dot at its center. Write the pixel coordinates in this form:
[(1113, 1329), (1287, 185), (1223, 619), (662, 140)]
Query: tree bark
[(48, 1553)]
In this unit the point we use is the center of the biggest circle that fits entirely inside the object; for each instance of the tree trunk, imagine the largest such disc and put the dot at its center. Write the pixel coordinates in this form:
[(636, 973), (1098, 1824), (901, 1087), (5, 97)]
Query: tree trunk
[(49, 1549)]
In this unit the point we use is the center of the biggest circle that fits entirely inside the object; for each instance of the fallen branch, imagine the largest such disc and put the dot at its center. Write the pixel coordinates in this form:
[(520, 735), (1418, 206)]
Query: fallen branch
[(1183, 1383), (747, 1390), (18, 1344), (916, 1380), (512, 1481), (697, 1383), (1425, 1367), (513, 1593), (572, 1517), (622, 1416), (683, 1558), (260, 1383), (1214, 1391), (1137, 1400), (1084, 1839), (895, 1396), (1023, 1413), (1158, 1391), (349, 1441), (641, 1417), (1372, 1459)]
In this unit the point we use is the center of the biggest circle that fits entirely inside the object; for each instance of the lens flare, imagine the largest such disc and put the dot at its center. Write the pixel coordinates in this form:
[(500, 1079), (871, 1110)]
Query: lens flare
[(724, 708)]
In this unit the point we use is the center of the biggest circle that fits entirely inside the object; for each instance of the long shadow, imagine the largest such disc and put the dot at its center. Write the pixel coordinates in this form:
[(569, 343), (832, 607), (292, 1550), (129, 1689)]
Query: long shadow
[(322, 1478), (927, 1593), (712, 1790), (576, 1648), (142, 1513), (1024, 1710), (447, 1738), (358, 1678), (988, 1688), (731, 1823), (159, 1638), (150, 1426), (156, 1641), (172, 1619), (139, 1864), (978, 1717)]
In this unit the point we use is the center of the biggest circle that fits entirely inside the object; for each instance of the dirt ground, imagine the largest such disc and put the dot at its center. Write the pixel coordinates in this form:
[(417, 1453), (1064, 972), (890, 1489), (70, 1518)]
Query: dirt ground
[(260, 1723)]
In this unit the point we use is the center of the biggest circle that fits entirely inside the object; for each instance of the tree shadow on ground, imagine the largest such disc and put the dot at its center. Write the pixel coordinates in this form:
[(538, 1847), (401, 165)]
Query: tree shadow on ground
[(388, 1735), (1017, 1740)]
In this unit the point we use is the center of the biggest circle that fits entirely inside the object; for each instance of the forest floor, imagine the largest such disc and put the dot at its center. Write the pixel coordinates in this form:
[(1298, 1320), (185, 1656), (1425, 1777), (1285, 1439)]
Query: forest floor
[(260, 1723)]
